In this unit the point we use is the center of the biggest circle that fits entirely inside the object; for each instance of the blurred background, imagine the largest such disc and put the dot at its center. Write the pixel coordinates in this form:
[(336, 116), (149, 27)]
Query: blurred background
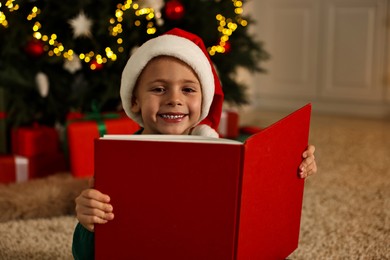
[(333, 53)]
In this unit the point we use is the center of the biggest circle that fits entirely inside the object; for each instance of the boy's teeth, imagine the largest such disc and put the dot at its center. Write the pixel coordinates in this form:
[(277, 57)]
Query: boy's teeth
[(172, 116)]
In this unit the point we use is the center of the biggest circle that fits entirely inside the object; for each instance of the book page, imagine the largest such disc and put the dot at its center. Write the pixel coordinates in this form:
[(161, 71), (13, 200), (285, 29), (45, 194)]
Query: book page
[(173, 138)]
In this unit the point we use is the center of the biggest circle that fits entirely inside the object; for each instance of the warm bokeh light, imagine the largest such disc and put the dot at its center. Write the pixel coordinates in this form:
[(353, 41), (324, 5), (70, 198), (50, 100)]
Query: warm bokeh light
[(53, 46)]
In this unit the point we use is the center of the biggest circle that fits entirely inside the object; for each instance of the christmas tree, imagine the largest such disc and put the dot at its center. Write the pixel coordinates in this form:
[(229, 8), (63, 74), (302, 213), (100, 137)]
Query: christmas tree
[(61, 56)]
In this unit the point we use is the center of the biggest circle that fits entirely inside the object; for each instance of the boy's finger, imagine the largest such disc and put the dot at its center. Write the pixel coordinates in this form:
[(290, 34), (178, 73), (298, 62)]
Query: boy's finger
[(307, 161), (95, 195), (312, 169), (101, 206), (100, 214), (309, 151), (86, 211), (306, 171), (93, 204), (89, 220)]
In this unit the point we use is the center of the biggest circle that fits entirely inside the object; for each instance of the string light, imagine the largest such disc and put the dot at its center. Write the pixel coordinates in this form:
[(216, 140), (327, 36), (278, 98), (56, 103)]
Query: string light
[(226, 27), (53, 47), (11, 8), (56, 48), (116, 29)]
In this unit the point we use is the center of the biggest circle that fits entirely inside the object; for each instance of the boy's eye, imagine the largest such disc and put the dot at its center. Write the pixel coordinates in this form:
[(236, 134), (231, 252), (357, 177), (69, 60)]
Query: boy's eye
[(189, 90), (158, 90)]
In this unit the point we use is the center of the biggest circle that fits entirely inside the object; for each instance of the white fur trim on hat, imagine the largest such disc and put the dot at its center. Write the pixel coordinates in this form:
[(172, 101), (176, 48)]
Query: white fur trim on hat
[(204, 130), (169, 45)]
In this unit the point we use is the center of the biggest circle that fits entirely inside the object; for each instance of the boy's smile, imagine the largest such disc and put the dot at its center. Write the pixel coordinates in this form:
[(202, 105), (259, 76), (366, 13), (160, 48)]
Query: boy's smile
[(168, 95), (173, 117)]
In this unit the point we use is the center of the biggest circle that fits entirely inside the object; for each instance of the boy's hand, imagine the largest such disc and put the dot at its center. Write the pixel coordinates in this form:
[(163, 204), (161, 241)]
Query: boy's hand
[(308, 165), (93, 207)]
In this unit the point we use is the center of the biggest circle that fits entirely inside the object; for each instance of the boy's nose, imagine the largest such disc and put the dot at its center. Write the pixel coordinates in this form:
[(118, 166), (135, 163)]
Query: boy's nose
[(174, 99)]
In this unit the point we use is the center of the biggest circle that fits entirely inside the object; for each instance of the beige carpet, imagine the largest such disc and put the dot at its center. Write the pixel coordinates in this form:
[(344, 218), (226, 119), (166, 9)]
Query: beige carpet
[(36, 218), (346, 212)]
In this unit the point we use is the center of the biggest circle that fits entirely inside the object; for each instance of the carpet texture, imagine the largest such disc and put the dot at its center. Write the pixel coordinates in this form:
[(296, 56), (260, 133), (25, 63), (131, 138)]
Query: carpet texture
[(346, 209), (40, 198)]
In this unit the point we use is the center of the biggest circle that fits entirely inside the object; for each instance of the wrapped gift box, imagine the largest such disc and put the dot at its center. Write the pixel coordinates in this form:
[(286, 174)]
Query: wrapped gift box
[(31, 141), (81, 135), (3, 123), (43, 165), (13, 168), (228, 126), (16, 168)]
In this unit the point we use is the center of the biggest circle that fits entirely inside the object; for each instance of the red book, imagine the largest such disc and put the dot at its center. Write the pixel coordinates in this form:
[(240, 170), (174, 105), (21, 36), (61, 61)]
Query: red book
[(187, 197)]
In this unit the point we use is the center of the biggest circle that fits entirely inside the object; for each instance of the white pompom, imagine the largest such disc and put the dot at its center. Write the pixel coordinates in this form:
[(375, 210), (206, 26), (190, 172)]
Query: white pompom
[(42, 82), (204, 130)]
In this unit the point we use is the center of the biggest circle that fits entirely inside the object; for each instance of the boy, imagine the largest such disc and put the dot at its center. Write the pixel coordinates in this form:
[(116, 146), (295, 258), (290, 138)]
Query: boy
[(169, 86)]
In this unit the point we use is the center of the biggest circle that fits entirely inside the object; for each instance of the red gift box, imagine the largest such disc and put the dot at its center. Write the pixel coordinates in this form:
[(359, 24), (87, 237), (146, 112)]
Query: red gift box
[(43, 165), (3, 122), (31, 141), (74, 116), (81, 135), (228, 126), (13, 168), (16, 168), (3, 133)]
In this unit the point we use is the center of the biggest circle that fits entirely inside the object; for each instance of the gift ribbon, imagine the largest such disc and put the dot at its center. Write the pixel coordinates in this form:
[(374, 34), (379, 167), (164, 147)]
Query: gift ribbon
[(93, 116), (98, 118), (21, 168)]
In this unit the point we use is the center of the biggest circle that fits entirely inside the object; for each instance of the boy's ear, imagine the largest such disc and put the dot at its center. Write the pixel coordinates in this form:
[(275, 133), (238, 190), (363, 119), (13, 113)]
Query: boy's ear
[(135, 107)]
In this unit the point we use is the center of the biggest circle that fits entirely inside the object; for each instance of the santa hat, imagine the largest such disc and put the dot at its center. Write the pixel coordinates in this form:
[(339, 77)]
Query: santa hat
[(190, 49)]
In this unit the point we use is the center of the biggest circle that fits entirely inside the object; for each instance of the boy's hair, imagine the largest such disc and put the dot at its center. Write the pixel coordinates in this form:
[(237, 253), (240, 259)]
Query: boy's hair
[(188, 48)]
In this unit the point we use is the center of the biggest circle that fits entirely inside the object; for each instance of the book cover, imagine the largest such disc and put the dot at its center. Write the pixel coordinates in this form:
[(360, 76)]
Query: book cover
[(186, 197)]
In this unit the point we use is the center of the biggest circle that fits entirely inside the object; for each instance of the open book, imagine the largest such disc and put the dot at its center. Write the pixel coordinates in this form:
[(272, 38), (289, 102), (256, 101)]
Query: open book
[(188, 197)]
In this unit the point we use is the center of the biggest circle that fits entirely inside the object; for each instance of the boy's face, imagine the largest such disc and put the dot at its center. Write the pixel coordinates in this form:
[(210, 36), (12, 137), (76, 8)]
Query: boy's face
[(168, 96)]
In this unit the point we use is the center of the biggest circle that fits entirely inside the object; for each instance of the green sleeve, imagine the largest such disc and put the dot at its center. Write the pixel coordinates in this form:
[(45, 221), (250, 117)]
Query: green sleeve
[(83, 246)]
